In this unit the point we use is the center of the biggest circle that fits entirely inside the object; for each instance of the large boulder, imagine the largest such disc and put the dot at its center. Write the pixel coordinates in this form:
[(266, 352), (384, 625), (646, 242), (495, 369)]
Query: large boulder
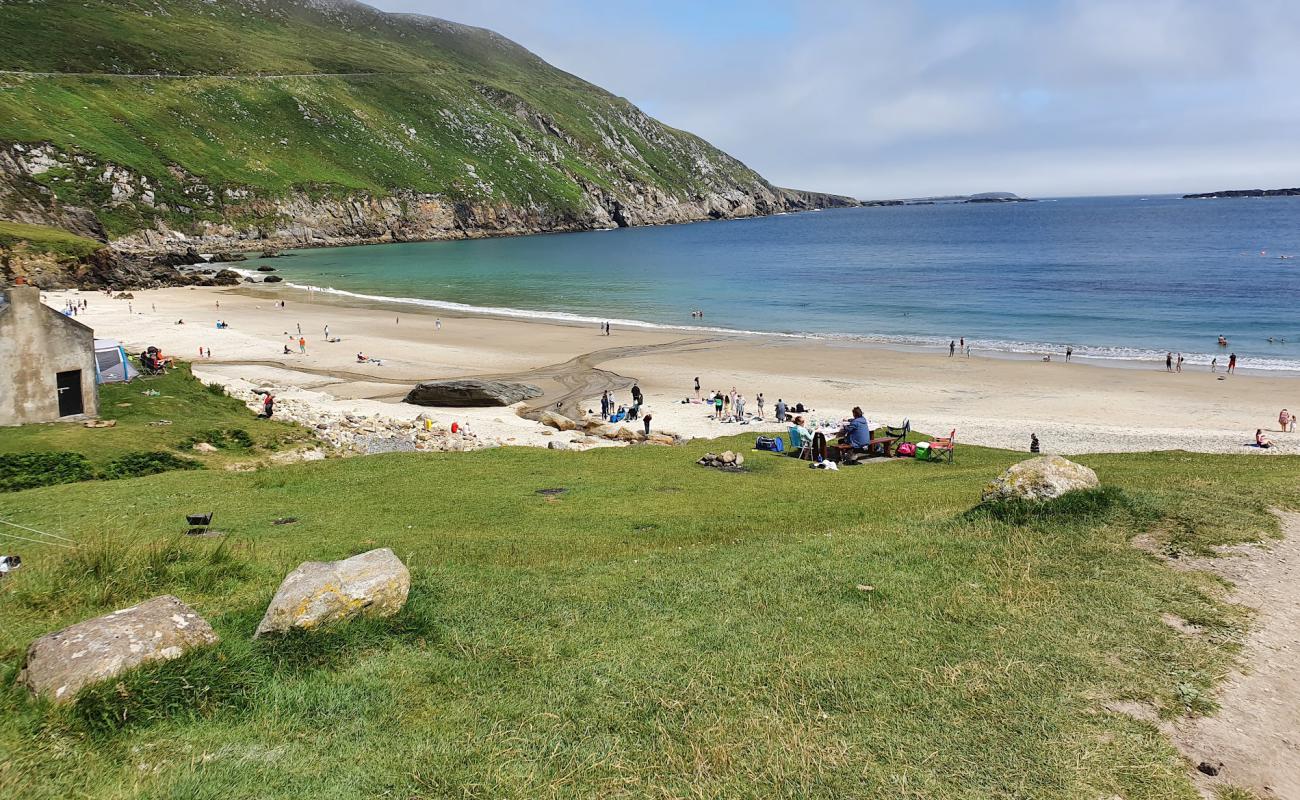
[(59, 664), (317, 593), (471, 393), (1042, 478), (557, 421)]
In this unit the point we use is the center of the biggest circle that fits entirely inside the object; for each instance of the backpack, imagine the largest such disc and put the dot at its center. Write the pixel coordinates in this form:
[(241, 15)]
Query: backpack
[(772, 443), (906, 450)]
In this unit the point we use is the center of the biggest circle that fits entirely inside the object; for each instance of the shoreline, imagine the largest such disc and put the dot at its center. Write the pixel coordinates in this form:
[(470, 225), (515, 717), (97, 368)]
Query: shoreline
[(1072, 407), (1141, 358)]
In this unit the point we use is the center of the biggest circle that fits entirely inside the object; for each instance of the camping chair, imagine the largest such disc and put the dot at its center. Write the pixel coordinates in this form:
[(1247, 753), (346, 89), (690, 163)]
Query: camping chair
[(801, 447), (943, 447), (150, 366), (901, 432)]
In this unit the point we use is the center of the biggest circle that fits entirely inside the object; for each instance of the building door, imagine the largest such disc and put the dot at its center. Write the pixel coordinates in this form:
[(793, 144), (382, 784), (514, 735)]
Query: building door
[(69, 384)]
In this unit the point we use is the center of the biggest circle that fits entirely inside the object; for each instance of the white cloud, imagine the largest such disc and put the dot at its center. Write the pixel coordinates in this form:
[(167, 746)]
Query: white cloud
[(891, 99)]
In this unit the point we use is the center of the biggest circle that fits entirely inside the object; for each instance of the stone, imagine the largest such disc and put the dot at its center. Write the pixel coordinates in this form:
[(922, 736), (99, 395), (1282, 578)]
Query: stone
[(557, 445), (727, 457), (470, 393), (317, 593), (557, 421), (226, 277), (740, 460), (272, 279), (60, 664), (1042, 478), (660, 438), (204, 447)]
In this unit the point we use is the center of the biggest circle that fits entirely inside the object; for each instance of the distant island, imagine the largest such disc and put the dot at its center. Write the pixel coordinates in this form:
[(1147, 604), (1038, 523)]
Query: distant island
[(1244, 193), (983, 197)]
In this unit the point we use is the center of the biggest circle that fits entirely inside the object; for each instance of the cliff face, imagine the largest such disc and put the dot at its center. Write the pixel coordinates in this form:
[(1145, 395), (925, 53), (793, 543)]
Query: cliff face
[(242, 124)]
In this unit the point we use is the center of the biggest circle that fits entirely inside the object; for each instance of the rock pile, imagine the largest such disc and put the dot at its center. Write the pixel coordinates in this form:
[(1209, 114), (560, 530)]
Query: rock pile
[(1042, 478), (597, 429), (726, 460)]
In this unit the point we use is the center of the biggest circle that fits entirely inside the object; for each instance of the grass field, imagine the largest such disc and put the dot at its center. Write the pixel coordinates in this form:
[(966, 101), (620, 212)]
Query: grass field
[(43, 239), (656, 630)]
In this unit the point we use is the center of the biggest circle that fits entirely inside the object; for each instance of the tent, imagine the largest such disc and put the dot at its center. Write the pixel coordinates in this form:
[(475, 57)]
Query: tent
[(111, 365)]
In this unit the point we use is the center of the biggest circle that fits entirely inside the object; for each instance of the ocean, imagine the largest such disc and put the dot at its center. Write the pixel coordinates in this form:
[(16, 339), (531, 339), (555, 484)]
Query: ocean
[(1119, 279)]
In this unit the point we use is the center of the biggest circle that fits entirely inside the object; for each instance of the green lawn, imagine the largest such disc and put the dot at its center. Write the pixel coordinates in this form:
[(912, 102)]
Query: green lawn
[(658, 630), (43, 239), (192, 412)]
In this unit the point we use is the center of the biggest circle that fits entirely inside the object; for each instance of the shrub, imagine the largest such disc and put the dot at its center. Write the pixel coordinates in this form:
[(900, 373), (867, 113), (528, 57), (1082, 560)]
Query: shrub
[(224, 438), (134, 465), (30, 470)]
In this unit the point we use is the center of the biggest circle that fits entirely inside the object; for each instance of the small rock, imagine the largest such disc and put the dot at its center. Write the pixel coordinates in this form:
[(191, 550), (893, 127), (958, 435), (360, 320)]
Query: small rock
[(317, 593), (1207, 768), (59, 664), (727, 457)]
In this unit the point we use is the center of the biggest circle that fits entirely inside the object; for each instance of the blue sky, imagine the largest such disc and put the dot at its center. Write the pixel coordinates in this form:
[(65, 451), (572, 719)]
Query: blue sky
[(883, 99)]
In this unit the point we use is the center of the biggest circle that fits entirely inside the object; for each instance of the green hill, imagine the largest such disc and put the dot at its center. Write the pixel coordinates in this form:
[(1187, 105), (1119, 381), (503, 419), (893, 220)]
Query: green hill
[(302, 122)]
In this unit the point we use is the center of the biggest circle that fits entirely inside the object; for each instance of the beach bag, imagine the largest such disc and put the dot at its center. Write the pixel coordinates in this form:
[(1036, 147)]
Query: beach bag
[(922, 451), (906, 450), (769, 443)]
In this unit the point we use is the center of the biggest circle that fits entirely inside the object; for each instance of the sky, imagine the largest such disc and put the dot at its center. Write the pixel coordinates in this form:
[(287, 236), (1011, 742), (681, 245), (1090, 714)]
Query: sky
[(909, 98)]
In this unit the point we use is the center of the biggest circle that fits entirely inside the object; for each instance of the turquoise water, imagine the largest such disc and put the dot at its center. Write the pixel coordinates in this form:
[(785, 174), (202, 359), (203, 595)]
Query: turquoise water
[(1121, 278)]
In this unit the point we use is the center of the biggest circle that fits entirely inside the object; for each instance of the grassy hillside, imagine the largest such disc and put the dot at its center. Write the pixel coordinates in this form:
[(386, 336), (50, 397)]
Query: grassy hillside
[(422, 104), (658, 629), (44, 239)]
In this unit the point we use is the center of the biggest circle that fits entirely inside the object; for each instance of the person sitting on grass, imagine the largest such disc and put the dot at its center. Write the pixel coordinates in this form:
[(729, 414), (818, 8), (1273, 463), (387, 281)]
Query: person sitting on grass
[(1261, 440)]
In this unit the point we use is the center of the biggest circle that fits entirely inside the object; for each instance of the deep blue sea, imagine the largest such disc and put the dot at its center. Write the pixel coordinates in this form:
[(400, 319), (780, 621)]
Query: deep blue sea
[(1120, 278)]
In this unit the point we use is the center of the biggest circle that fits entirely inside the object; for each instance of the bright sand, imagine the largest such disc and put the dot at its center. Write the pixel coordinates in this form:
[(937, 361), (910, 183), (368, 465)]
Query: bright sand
[(1073, 408)]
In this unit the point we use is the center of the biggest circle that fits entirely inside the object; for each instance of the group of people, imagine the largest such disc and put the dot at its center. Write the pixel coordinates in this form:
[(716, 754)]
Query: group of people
[(1286, 422), (74, 307), (731, 406), (610, 409)]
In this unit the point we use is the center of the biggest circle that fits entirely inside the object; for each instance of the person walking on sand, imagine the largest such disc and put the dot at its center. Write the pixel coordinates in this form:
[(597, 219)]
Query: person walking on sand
[(1232, 363), (1179, 367), (1214, 365), (952, 348), (697, 387), (437, 324), (1069, 351), (302, 345), (327, 332), (1169, 361)]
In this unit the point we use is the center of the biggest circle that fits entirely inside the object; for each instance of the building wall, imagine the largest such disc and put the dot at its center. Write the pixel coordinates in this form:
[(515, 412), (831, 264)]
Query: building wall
[(36, 342)]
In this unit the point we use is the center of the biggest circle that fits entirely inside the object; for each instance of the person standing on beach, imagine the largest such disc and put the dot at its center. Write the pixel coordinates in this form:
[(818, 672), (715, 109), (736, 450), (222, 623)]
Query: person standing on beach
[(637, 397), (1169, 362), (962, 343), (1232, 363), (327, 331), (437, 324), (759, 400), (697, 387), (1069, 351), (302, 345), (1179, 367), (645, 419), (1214, 365), (717, 405), (740, 408), (952, 348), (780, 410), (604, 404)]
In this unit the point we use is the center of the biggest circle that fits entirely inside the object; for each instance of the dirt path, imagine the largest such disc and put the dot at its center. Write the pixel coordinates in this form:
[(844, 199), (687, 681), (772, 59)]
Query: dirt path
[(1254, 739), (565, 385)]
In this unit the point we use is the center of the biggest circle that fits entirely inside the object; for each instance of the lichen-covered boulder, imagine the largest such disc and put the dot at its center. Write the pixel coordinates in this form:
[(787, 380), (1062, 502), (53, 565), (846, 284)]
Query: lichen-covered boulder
[(1042, 478), (317, 593), (59, 664)]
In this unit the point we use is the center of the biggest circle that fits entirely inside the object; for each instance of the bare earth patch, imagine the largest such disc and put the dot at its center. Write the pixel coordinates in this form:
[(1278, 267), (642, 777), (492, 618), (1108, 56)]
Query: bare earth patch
[(1254, 739)]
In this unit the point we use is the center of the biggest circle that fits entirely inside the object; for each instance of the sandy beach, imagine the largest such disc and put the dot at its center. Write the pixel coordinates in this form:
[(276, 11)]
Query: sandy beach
[(998, 402)]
